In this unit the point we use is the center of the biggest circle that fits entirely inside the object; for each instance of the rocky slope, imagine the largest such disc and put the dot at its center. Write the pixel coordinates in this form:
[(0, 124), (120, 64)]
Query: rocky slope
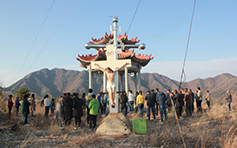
[(57, 81)]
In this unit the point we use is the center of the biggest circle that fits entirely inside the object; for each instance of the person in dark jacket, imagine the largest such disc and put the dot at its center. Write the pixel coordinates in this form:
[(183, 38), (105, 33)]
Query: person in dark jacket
[(100, 99), (77, 112), (174, 96), (10, 104), (52, 106), (17, 105), (180, 103), (199, 99), (33, 106), (67, 108), (169, 105), (123, 99), (157, 103), (192, 97), (161, 99), (175, 100), (25, 109), (151, 100), (83, 99), (228, 100), (88, 98), (135, 102), (105, 99), (188, 101)]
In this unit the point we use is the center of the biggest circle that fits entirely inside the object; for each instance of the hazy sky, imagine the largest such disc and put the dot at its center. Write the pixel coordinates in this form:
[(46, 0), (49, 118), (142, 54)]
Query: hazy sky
[(162, 25)]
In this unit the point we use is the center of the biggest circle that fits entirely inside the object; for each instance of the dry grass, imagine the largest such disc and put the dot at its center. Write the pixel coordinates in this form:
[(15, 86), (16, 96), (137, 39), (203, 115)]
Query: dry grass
[(231, 138), (214, 128), (161, 139), (3, 103), (90, 140), (28, 138)]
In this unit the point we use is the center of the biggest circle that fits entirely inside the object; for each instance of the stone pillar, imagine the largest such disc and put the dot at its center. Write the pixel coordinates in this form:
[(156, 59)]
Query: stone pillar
[(90, 79), (126, 79), (121, 82), (139, 79), (135, 83), (104, 82)]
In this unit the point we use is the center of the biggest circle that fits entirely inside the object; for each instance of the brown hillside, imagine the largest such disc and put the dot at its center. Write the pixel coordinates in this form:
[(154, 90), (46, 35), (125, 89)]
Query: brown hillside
[(57, 81)]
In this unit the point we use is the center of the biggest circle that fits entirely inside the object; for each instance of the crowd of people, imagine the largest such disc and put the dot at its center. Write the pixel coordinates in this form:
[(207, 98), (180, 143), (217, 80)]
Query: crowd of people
[(157, 101), (70, 106)]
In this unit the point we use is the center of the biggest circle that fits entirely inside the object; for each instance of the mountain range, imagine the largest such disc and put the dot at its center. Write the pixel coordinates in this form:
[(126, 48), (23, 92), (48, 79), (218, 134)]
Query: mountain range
[(57, 81)]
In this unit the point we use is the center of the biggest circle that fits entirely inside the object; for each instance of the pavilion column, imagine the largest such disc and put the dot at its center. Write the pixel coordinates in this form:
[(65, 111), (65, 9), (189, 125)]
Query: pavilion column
[(139, 79), (121, 82), (90, 79), (104, 82), (135, 82), (126, 79)]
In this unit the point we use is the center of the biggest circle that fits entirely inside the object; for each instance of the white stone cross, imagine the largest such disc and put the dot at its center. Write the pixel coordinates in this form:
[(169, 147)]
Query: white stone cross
[(113, 64), (112, 58)]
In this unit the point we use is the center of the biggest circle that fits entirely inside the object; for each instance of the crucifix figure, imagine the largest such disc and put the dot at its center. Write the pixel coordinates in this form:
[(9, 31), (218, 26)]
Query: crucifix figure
[(112, 65), (110, 82)]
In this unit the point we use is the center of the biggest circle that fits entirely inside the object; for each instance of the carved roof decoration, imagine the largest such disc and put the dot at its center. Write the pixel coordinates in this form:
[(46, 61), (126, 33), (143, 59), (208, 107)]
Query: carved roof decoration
[(126, 54), (105, 39), (144, 57)]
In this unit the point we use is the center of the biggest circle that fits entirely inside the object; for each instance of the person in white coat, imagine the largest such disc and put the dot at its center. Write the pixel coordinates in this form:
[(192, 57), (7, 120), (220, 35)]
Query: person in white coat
[(59, 109), (46, 105)]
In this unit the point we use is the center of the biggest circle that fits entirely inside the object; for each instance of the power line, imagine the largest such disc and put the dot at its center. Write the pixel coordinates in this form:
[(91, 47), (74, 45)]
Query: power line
[(190, 28), (50, 36), (34, 41), (183, 73), (134, 15)]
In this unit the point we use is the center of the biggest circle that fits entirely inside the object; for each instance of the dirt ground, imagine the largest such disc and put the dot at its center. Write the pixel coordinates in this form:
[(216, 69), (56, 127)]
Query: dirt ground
[(212, 128)]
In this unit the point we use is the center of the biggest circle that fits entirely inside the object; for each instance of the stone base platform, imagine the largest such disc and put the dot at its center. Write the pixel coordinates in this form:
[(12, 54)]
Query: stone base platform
[(115, 124)]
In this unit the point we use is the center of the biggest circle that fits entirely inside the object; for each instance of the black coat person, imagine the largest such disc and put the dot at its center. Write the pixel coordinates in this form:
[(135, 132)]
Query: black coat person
[(67, 108), (77, 105), (77, 112), (123, 99)]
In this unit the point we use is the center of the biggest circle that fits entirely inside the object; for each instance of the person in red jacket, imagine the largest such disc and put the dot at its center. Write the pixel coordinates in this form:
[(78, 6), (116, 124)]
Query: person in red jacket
[(10, 104)]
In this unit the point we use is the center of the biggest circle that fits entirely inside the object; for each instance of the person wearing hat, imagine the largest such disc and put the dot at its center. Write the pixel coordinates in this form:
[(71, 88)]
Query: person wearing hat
[(17, 105), (10, 104)]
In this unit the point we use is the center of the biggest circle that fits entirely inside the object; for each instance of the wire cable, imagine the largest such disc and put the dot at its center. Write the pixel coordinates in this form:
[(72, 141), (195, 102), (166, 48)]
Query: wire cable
[(50, 36), (134, 15), (190, 29), (34, 41), (183, 73)]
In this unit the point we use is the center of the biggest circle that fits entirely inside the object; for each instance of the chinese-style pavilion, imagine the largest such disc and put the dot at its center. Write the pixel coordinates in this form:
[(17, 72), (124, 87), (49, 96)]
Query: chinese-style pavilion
[(125, 52)]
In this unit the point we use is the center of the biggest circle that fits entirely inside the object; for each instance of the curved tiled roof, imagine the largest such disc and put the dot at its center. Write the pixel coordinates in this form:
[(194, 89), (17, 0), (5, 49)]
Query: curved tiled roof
[(85, 60), (143, 60)]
